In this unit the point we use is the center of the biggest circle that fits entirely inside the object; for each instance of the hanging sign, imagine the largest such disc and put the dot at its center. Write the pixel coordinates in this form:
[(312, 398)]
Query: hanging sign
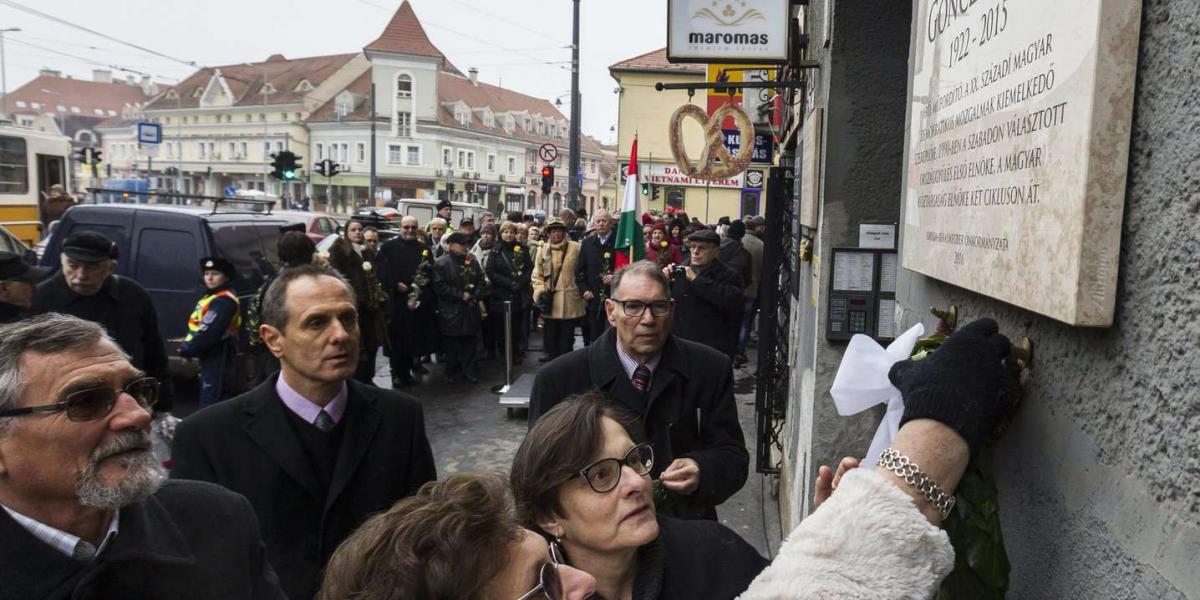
[(716, 161), (728, 31)]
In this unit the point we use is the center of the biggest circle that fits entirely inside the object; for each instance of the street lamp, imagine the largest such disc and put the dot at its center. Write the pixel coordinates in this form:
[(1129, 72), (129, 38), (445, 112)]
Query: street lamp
[(3, 67)]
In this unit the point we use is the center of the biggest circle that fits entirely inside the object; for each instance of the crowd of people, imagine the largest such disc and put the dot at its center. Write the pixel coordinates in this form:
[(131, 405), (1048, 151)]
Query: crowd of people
[(319, 484)]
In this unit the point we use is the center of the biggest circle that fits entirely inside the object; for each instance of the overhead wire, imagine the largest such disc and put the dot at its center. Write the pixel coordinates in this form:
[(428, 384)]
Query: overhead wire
[(136, 71), (35, 12)]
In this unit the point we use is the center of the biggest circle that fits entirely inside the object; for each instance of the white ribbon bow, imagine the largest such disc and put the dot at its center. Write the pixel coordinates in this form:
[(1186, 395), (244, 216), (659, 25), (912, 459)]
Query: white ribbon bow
[(862, 382)]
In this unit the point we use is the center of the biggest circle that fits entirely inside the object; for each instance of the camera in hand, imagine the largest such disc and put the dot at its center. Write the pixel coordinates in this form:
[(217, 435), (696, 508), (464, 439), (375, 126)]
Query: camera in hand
[(678, 271)]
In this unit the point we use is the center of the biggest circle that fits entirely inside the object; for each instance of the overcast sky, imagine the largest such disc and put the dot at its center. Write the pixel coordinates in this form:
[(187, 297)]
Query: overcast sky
[(508, 40)]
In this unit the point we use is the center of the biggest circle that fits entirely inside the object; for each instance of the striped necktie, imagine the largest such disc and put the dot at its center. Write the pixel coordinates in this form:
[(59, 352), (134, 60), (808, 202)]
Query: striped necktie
[(641, 377), (324, 422)]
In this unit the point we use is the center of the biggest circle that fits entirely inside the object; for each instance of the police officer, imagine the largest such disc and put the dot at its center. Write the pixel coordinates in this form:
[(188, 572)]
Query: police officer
[(88, 288), (17, 282), (213, 327)]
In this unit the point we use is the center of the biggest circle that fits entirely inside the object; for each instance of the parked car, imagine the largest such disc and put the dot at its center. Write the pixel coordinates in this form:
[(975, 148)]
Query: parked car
[(10, 243), (317, 226), (424, 210), (161, 247)]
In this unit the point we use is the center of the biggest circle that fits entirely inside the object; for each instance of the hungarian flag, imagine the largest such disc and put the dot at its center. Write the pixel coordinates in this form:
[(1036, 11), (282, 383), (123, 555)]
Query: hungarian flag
[(629, 244)]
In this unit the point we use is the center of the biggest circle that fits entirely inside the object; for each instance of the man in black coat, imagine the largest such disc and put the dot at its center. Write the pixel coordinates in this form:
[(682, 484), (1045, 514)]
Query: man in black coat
[(594, 274), (18, 281), (410, 329), (708, 296), (84, 512), (682, 390), (460, 284), (315, 452), (87, 288)]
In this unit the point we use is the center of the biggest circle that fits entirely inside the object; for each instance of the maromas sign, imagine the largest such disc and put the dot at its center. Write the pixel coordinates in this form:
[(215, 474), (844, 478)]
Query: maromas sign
[(727, 31)]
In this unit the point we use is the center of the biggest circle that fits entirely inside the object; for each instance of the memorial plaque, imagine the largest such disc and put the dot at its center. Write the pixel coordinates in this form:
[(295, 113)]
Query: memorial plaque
[(1018, 144)]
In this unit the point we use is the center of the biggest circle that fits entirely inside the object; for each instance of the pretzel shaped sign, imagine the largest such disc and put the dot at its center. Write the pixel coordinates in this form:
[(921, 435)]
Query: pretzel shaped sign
[(709, 169)]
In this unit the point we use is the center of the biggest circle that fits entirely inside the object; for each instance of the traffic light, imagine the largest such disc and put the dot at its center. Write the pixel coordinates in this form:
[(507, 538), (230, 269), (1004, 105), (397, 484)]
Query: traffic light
[(96, 158), (79, 157), (332, 169), (654, 191), (86, 156), (645, 189), (319, 167), (284, 165), (547, 178)]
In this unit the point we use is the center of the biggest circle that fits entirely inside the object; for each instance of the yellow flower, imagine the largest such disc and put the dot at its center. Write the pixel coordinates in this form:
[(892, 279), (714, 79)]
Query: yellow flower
[(517, 249), (425, 253), (367, 267), (607, 255), (663, 244)]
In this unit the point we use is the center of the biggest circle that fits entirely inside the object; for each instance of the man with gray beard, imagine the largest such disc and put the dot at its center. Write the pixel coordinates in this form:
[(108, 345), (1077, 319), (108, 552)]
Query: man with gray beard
[(86, 512)]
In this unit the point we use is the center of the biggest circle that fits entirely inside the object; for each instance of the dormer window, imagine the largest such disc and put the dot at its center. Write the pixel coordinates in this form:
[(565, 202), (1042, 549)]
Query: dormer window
[(267, 88), (509, 124), (461, 115), (489, 120), (304, 86), (172, 95)]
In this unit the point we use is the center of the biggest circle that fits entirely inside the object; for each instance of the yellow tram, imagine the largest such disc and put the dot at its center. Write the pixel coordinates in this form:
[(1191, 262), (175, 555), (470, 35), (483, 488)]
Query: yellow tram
[(30, 162)]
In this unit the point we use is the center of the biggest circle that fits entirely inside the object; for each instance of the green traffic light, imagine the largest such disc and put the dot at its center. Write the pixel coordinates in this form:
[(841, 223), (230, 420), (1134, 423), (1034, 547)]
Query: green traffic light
[(289, 174)]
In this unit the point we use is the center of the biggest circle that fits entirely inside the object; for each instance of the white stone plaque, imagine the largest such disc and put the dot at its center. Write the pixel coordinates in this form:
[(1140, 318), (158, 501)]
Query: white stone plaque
[(1018, 142)]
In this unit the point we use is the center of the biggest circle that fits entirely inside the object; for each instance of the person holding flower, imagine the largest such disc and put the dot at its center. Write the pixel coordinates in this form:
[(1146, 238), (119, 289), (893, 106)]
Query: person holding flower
[(459, 283), (595, 273), (405, 267), (509, 270), (555, 290), (660, 250)]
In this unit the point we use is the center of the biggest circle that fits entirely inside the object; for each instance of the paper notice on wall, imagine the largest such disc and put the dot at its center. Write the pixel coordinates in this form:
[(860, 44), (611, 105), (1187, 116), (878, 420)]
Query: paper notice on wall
[(887, 319), (887, 273), (853, 271)]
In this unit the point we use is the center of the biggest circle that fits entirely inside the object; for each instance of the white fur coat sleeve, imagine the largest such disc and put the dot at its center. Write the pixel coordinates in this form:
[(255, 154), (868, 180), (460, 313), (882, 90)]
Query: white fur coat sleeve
[(868, 540)]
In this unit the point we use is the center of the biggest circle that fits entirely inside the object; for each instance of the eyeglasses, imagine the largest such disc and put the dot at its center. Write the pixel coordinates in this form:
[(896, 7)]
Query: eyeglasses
[(604, 474), (95, 403), (549, 583), (635, 308)]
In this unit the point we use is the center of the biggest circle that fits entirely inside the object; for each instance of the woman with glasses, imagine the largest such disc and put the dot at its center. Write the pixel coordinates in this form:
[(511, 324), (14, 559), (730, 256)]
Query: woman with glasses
[(457, 539), (582, 476)]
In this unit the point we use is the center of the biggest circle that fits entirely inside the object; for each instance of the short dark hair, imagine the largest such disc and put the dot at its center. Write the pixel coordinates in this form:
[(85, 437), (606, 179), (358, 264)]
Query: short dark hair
[(448, 541), (274, 304), (295, 249), (642, 268), (560, 444)]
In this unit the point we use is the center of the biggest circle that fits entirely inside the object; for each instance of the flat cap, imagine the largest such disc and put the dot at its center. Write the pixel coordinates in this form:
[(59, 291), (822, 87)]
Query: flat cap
[(466, 220), (554, 222), (14, 268), (89, 246), (705, 235), (456, 237)]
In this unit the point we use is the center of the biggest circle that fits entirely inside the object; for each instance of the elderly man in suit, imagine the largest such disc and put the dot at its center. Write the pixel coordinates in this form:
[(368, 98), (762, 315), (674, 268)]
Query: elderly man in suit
[(85, 511), (682, 390), (313, 450)]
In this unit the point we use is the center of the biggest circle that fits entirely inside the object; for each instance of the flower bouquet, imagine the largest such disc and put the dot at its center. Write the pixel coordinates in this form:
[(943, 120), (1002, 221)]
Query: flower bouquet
[(473, 283), (420, 280), (981, 563)]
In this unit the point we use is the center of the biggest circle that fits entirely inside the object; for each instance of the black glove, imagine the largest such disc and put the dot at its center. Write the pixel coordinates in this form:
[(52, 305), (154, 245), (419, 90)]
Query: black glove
[(963, 384)]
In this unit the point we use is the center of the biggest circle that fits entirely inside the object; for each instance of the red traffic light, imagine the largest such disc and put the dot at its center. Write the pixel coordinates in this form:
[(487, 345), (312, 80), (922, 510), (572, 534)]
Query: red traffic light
[(547, 171)]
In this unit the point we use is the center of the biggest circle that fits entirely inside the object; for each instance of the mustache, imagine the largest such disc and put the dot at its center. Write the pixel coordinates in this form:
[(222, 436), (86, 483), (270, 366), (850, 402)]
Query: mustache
[(125, 441)]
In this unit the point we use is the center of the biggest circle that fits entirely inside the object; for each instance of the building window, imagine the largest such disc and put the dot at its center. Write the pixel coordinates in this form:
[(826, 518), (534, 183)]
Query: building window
[(414, 156), (203, 154), (462, 159), (279, 146), (361, 149), (36, 106), (170, 151), (470, 160), (20, 104), (233, 150), (262, 118), (244, 150), (320, 151), (512, 165), (394, 154), (404, 86), (491, 163), (249, 117), (404, 124), (447, 157), (509, 123)]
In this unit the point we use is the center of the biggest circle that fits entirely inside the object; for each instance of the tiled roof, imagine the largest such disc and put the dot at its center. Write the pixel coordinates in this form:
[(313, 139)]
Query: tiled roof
[(405, 35), (50, 92), (453, 88), (246, 81), (655, 62), (361, 86)]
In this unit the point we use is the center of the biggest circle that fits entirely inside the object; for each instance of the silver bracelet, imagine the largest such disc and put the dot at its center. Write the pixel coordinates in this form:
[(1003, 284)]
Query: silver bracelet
[(907, 470)]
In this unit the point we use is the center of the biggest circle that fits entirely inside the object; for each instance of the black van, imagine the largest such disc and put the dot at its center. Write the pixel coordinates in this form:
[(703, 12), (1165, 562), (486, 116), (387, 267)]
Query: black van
[(161, 247)]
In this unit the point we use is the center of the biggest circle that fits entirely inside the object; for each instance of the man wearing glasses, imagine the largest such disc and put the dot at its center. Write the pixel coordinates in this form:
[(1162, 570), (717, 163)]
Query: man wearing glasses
[(410, 305), (682, 390), (86, 512)]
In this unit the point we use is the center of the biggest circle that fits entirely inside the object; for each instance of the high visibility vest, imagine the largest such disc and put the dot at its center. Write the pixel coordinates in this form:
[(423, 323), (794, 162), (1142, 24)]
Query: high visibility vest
[(197, 319)]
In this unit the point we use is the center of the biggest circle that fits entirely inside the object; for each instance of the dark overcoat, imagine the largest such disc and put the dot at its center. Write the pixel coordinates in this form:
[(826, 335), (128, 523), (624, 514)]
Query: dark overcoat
[(709, 309), (509, 273), (412, 331), (452, 277), (689, 410), (189, 541), (247, 445), (589, 273), (695, 559)]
